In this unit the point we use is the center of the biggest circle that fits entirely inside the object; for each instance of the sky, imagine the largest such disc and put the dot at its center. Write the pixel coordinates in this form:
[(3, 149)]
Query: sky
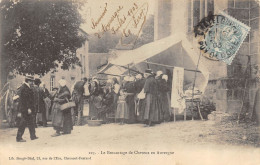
[(93, 9)]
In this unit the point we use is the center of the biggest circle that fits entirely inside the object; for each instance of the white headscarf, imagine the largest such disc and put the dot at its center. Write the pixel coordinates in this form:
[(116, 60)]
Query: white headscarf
[(62, 82), (42, 84), (131, 79), (126, 78), (139, 76), (109, 81), (159, 73), (165, 77)]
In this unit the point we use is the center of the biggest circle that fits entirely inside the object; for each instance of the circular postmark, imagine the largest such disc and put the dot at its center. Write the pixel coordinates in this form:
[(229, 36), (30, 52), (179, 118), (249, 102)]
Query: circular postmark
[(221, 39)]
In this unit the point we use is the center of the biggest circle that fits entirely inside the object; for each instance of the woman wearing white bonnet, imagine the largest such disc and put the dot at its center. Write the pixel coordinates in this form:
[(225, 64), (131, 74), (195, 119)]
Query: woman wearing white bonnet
[(159, 73), (131, 79), (165, 77), (62, 119), (126, 78), (62, 82), (139, 76), (166, 106)]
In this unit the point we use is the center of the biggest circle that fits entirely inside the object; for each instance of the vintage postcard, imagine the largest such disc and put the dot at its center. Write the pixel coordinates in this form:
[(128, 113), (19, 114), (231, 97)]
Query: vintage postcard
[(102, 82)]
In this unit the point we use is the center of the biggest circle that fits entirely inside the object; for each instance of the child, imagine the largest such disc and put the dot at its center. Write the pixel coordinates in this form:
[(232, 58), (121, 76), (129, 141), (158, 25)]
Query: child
[(122, 109)]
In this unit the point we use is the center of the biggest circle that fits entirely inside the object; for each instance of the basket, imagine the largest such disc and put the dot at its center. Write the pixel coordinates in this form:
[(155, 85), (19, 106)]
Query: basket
[(93, 123), (67, 105)]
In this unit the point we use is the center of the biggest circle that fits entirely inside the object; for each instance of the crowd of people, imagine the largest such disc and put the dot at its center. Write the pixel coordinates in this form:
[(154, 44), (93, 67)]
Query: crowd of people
[(143, 98)]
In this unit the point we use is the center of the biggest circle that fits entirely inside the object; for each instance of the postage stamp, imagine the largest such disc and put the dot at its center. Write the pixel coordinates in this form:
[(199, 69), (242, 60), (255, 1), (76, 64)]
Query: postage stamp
[(223, 38)]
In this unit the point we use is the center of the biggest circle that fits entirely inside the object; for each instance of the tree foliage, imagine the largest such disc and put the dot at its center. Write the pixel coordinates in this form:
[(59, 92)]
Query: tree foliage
[(39, 34)]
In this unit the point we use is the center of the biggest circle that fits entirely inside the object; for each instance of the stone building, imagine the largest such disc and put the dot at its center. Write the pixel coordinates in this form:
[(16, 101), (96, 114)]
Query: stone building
[(227, 85), (73, 74)]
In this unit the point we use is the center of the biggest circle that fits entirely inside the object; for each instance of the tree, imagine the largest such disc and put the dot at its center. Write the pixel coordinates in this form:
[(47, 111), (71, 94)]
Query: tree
[(37, 35)]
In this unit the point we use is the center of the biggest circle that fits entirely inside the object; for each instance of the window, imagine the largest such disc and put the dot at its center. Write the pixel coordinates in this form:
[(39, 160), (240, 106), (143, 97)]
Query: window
[(196, 12), (189, 16), (84, 64), (210, 6), (72, 78), (198, 9), (52, 82), (81, 63)]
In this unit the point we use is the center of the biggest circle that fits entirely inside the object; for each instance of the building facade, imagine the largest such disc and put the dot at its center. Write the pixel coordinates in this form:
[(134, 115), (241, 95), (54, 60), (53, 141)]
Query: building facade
[(227, 87)]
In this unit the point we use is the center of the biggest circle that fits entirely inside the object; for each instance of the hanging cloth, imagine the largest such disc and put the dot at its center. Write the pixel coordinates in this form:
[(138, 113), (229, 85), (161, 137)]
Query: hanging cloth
[(177, 100)]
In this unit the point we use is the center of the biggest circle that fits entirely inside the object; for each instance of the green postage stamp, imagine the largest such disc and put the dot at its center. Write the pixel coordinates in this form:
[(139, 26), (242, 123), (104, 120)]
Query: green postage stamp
[(224, 38)]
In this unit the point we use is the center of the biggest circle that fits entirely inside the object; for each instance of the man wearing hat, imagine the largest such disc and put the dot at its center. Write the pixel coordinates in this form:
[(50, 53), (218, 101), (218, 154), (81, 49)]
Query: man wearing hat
[(26, 110), (39, 104), (151, 113), (77, 95)]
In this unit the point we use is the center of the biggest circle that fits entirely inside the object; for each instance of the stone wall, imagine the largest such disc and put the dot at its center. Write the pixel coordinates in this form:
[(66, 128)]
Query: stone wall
[(232, 90)]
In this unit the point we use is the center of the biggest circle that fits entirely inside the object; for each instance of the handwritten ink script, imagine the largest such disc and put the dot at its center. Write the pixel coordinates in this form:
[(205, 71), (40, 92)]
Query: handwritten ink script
[(128, 21)]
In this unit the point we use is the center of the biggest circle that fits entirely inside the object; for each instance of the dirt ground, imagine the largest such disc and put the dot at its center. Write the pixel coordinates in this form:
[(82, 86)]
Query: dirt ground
[(185, 138), (178, 143)]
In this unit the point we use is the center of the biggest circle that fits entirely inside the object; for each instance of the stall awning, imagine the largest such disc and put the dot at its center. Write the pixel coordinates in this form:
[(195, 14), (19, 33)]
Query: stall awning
[(136, 56), (144, 52)]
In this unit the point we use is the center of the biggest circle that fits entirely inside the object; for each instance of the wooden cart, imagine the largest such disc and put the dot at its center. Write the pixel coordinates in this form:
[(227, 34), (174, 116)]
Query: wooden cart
[(8, 105)]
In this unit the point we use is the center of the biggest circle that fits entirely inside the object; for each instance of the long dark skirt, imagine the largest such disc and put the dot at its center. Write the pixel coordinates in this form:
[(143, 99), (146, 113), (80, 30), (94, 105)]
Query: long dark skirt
[(115, 99), (131, 107), (151, 112), (140, 110), (94, 106), (62, 119), (165, 113)]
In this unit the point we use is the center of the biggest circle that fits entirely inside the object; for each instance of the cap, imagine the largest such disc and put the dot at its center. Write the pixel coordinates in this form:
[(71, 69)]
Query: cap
[(148, 71), (29, 78)]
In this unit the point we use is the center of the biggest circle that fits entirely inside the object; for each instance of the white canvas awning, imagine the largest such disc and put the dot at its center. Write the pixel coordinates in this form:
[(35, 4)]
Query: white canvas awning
[(144, 52), (150, 50)]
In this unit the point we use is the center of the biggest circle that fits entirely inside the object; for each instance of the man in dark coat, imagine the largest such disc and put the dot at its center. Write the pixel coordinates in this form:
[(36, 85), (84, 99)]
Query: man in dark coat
[(151, 114), (26, 110), (77, 95), (39, 104)]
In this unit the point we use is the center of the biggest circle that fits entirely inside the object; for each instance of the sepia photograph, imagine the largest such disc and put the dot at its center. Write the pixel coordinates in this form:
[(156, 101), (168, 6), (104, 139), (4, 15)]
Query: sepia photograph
[(130, 82)]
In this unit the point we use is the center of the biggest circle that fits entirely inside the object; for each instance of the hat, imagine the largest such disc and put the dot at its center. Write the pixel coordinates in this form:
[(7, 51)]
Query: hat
[(159, 73), (37, 81), (29, 78), (85, 79), (148, 71), (115, 80), (62, 82)]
